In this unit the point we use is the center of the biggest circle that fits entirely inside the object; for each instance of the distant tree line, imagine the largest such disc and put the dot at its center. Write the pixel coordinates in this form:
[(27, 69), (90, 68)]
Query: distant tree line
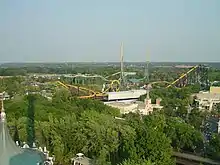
[(155, 74)]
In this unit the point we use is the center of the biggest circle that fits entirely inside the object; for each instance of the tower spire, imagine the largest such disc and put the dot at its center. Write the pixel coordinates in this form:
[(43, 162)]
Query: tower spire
[(122, 63), (146, 72), (2, 115), (2, 110)]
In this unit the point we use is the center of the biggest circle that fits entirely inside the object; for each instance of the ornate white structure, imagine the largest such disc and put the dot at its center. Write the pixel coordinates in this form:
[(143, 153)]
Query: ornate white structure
[(144, 108), (80, 159), (12, 153), (218, 129), (148, 106), (3, 115), (49, 160)]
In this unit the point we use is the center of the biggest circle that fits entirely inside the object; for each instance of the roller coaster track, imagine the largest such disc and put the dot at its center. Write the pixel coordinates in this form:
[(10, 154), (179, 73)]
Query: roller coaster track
[(117, 82), (160, 82), (198, 72), (99, 76), (125, 74), (92, 93), (113, 74), (182, 76), (150, 85), (110, 85)]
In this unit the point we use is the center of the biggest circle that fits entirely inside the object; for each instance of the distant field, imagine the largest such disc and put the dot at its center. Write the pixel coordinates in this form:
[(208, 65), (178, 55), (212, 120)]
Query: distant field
[(78, 64)]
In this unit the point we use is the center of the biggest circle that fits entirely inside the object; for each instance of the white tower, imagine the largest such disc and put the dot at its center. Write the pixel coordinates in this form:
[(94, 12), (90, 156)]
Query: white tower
[(122, 63), (2, 115), (219, 126), (148, 105), (146, 71)]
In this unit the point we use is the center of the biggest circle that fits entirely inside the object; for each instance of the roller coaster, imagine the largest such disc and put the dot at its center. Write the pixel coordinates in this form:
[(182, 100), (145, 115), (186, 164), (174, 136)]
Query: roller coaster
[(108, 86), (197, 74), (92, 93)]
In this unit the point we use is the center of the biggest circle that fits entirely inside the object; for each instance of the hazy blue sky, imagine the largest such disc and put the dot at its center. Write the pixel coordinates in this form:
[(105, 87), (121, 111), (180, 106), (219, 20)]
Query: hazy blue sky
[(91, 30)]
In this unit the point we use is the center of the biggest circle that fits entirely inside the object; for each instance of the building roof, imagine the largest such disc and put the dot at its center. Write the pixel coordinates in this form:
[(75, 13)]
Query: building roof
[(208, 95), (27, 157), (214, 89), (10, 153)]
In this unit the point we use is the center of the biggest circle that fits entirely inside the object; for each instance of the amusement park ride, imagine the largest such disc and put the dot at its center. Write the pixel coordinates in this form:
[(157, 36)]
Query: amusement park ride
[(197, 74), (119, 86)]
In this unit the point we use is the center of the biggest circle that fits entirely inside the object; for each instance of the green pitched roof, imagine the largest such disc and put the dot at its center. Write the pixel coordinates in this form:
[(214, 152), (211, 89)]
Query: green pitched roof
[(133, 80), (27, 157)]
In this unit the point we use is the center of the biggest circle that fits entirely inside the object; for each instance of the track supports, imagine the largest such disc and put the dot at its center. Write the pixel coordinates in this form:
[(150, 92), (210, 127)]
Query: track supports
[(198, 75)]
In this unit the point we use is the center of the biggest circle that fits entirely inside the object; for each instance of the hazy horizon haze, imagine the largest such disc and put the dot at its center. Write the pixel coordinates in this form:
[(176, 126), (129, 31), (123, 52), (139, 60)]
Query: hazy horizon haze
[(92, 31)]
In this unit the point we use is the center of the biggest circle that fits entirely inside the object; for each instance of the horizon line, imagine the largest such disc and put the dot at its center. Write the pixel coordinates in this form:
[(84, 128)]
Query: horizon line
[(63, 62)]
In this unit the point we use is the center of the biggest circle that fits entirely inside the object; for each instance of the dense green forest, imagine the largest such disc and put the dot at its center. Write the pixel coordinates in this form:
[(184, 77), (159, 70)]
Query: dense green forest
[(67, 125)]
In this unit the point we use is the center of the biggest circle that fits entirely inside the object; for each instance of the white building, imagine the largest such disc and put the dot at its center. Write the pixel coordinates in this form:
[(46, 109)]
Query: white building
[(122, 95), (207, 100), (144, 108)]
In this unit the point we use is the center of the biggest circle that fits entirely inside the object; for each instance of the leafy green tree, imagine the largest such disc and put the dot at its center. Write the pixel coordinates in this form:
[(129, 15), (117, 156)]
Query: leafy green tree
[(183, 136), (104, 137), (196, 118), (213, 148), (140, 162), (194, 88), (68, 125), (151, 142)]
